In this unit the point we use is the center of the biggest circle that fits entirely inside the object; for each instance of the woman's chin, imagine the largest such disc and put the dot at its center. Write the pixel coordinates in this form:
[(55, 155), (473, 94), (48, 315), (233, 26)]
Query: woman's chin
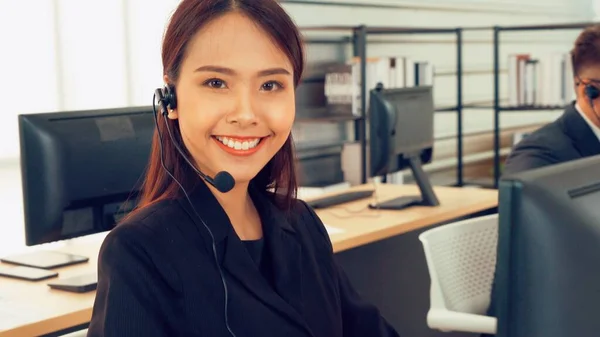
[(242, 177)]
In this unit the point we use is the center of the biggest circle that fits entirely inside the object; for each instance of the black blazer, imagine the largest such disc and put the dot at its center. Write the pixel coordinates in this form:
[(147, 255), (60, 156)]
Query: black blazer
[(157, 277), (566, 139)]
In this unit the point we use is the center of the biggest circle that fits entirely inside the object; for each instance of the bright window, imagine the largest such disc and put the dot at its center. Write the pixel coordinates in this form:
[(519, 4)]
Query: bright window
[(74, 55)]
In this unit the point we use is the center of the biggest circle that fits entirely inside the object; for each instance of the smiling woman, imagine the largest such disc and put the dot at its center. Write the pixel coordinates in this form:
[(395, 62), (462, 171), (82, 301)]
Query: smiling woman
[(198, 260), (233, 66), (239, 87)]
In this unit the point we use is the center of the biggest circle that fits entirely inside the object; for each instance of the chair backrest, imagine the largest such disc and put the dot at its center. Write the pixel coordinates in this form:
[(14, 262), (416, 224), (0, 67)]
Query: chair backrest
[(461, 258)]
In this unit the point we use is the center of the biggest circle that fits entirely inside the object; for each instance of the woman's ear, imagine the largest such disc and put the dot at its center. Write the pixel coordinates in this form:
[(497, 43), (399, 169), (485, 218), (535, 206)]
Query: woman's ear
[(172, 114)]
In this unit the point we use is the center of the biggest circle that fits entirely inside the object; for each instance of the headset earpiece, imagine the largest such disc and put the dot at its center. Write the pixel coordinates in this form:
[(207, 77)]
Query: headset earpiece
[(170, 97), (591, 92), (166, 98)]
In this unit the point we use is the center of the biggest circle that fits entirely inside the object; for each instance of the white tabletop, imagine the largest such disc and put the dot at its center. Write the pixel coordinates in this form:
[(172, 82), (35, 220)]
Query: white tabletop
[(12, 232)]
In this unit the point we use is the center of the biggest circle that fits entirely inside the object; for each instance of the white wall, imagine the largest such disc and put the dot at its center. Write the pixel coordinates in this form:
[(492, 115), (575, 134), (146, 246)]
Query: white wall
[(74, 55), (596, 9)]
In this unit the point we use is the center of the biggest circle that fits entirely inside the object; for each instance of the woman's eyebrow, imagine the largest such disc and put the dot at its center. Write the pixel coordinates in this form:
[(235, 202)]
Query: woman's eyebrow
[(229, 71), (273, 71), (216, 69)]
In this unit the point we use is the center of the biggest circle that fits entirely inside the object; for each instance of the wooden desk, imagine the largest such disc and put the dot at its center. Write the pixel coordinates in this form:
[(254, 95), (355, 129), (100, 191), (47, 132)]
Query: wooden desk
[(362, 225), (50, 310)]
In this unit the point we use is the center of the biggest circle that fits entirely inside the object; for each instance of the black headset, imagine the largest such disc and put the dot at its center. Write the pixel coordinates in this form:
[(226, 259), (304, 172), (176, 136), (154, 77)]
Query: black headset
[(168, 96), (223, 181), (167, 99), (591, 92)]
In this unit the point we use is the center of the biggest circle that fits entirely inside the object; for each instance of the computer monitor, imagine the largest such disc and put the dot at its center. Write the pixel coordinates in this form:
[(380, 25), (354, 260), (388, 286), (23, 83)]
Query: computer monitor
[(548, 262), (81, 170), (401, 136)]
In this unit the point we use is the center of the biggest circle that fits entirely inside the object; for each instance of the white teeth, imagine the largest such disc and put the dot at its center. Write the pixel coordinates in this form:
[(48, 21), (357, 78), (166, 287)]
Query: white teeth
[(239, 145)]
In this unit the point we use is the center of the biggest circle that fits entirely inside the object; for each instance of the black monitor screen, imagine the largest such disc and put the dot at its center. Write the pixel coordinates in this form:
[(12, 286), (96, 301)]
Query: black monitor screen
[(548, 275), (401, 126), (414, 112), (78, 168)]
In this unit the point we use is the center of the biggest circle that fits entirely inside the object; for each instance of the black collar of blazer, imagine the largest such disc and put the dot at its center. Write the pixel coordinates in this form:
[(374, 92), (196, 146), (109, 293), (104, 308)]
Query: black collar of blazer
[(576, 128), (284, 293), (209, 209)]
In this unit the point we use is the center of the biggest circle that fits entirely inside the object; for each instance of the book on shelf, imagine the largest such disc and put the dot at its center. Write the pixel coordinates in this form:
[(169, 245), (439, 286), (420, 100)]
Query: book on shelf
[(343, 81), (340, 88), (546, 80)]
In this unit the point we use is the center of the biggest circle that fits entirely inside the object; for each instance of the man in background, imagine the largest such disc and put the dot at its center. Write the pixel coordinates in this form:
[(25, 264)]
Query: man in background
[(576, 134)]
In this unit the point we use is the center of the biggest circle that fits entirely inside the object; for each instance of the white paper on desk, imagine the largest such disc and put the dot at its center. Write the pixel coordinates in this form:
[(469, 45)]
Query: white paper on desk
[(333, 230), (12, 310)]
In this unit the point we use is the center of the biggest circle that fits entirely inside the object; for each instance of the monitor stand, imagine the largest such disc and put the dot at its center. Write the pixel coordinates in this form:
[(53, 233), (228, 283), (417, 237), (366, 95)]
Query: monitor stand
[(427, 197)]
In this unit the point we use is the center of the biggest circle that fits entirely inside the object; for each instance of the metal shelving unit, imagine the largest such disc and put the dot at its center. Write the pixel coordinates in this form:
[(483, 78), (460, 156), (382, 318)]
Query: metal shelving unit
[(498, 108), (358, 38)]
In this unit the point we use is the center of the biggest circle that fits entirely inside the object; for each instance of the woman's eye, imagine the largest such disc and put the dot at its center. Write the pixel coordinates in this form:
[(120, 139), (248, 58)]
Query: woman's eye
[(270, 86), (215, 83)]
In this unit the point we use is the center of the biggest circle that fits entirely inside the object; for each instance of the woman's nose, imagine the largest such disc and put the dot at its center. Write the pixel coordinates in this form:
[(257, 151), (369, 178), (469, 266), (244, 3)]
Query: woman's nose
[(243, 112)]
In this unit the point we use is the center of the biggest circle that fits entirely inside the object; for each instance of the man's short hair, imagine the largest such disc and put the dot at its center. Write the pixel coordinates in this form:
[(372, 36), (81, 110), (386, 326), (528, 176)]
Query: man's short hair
[(586, 51)]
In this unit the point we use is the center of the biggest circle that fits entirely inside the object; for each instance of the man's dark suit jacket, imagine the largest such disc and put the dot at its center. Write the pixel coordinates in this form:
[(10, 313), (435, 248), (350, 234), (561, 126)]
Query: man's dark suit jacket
[(158, 277), (566, 139)]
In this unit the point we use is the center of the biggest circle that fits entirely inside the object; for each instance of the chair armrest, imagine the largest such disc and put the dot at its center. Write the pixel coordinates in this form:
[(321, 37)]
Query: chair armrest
[(444, 320)]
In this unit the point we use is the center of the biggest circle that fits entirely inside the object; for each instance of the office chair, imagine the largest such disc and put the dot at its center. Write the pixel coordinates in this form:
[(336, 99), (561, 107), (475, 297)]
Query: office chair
[(461, 258), (80, 333)]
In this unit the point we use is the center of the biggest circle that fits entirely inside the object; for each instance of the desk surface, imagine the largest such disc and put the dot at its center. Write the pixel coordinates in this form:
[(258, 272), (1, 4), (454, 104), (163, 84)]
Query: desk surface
[(36, 309), (361, 225)]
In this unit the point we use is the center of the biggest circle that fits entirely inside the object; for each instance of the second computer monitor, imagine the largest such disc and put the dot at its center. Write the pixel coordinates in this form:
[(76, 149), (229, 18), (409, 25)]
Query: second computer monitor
[(401, 126), (401, 136), (79, 167), (548, 264)]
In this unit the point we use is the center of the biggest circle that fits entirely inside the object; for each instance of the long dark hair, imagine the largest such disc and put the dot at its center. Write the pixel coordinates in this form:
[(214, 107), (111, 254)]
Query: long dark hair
[(189, 17)]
